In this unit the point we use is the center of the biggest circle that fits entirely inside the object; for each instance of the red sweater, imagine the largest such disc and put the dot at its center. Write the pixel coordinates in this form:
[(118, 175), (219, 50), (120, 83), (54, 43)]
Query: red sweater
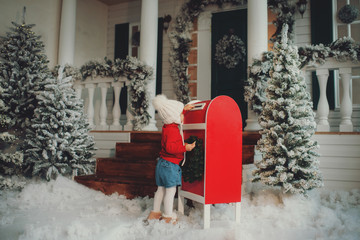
[(172, 147)]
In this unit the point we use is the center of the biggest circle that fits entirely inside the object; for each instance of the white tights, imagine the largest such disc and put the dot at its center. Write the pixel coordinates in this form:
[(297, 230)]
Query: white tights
[(166, 194)]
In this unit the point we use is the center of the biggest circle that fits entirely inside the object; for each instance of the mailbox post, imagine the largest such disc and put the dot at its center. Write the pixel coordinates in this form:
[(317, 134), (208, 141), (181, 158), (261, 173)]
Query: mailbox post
[(218, 123)]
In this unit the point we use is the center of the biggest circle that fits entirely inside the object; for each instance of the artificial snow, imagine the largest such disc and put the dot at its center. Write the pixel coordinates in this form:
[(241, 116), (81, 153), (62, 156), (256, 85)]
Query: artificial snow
[(64, 209)]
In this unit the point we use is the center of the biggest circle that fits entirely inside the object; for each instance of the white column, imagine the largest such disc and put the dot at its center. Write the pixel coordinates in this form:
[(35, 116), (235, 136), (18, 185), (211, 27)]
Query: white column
[(323, 105), (257, 44), (67, 32), (148, 50), (103, 109), (346, 104), (116, 112)]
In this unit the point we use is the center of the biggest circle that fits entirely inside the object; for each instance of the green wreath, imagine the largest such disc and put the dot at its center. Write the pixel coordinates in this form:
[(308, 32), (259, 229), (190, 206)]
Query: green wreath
[(230, 51), (348, 13), (193, 169)]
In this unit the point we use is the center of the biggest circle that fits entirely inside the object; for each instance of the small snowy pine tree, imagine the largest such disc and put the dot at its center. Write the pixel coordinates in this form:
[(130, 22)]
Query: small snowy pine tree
[(23, 68), (58, 141), (289, 157), (10, 159)]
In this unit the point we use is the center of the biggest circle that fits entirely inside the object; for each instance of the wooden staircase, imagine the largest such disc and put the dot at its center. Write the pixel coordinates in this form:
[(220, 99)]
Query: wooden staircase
[(132, 171)]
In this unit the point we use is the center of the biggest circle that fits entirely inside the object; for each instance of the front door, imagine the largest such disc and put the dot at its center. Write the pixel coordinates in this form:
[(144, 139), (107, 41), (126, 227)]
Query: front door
[(229, 81)]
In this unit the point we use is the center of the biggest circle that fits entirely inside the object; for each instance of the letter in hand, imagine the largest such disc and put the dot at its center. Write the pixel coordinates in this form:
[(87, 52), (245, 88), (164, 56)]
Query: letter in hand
[(188, 107), (190, 147)]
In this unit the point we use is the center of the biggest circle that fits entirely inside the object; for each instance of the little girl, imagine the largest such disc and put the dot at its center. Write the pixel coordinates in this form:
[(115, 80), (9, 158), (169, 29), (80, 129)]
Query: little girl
[(168, 171)]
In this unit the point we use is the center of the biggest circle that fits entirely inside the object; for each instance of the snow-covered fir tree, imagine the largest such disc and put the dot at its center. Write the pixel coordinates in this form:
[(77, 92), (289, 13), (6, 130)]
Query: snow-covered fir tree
[(289, 153), (10, 158), (58, 141), (23, 68)]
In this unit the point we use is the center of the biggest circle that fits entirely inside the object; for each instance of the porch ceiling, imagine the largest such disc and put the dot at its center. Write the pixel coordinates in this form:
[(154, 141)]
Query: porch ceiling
[(113, 2)]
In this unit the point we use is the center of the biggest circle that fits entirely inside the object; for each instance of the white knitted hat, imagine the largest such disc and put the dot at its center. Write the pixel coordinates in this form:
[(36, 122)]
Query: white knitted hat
[(168, 110)]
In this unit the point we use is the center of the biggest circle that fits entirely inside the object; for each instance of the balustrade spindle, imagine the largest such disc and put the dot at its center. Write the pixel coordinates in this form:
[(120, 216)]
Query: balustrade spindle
[(103, 109), (129, 117), (90, 111), (323, 105), (116, 108)]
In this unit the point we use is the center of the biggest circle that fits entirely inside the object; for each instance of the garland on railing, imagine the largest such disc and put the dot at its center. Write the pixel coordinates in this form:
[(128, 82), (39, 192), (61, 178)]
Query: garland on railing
[(95, 68), (68, 71), (343, 49), (139, 75), (133, 69)]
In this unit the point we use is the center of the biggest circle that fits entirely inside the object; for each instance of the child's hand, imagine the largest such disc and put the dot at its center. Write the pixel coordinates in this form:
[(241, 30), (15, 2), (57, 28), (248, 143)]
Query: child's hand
[(190, 147), (188, 107)]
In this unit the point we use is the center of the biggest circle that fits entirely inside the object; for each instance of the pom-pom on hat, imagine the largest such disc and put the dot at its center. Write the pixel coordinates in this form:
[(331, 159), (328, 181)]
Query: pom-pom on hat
[(168, 110)]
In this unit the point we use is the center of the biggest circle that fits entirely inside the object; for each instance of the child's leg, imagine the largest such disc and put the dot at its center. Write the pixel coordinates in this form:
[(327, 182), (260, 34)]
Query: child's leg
[(169, 201), (158, 197)]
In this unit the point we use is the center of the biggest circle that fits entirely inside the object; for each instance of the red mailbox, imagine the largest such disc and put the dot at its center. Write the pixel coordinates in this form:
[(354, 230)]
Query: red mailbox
[(218, 123)]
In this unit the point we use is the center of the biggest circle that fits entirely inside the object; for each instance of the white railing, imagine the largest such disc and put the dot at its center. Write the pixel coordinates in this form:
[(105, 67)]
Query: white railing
[(99, 117), (346, 107), (102, 99)]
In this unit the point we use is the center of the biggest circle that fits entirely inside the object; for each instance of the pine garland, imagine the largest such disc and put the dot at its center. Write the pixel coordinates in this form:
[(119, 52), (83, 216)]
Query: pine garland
[(69, 71), (343, 49), (95, 69), (139, 75), (193, 169), (137, 72), (285, 14), (259, 75)]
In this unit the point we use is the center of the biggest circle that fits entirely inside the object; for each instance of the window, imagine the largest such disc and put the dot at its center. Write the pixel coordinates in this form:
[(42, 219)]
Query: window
[(347, 30)]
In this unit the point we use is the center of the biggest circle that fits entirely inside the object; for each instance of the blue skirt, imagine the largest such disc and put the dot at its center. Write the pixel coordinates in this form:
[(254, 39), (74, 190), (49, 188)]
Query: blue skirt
[(167, 174)]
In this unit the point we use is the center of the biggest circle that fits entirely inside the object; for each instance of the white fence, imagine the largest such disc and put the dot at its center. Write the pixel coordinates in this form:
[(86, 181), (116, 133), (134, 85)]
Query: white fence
[(345, 70), (102, 99), (105, 116)]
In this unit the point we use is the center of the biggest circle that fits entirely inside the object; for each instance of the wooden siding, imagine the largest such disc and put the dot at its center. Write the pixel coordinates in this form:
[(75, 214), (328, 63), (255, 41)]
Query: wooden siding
[(339, 160), (106, 141)]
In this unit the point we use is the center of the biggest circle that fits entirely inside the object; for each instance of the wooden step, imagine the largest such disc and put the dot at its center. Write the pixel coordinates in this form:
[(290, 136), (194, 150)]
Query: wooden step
[(138, 168), (132, 171), (248, 154), (138, 150), (130, 187), (251, 138)]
